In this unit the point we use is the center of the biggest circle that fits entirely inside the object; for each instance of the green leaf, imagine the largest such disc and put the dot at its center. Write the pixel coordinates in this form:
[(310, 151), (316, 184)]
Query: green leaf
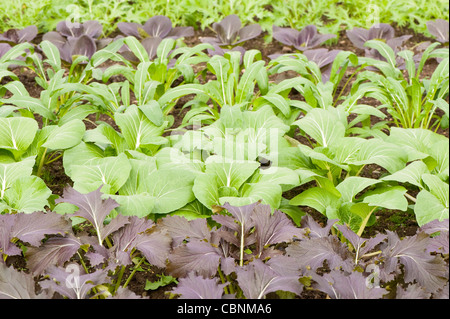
[(387, 155), (153, 112), (112, 172), (193, 210), (387, 197), (437, 187), (137, 48), (410, 174), (171, 188), (385, 50), (17, 133), (228, 172), (352, 185), (428, 208), (52, 53), (31, 104), (66, 135), (317, 198), (206, 190), (10, 172), (28, 194), (137, 129), (416, 142), (246, 83), (322, 125), (140, 205)]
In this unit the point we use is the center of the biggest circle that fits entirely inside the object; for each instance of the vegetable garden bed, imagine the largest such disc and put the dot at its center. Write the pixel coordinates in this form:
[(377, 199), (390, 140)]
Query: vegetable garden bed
[(178, 163)]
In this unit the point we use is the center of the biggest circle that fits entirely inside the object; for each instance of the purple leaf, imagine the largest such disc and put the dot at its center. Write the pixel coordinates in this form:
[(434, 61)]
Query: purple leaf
[(413, 291), (242, 214), (16, 36), (32, 228), (361, 245), (158, 26), (72, 282), (227, 30), (18, 285), (418, 264), (70, 29), (29, 228), (4, 47), (151, 46), (284, 265), (197, 287), (84, 46), (257, 280), (439, 29), (181, 32), (154, 246), (338, 285), (314, 230), (305, 39), (129, 28), (381, 31), (272, 228), (249, 32), (125, 238), (322, 57), (27, 34), (6, 246), (198, 256), (286, 36), (92, 28), (358, 36), (311, 253), (94, 209), (55, 251), (221, 51), (181, 229), (55, 38), (440, 242), (125, 293)]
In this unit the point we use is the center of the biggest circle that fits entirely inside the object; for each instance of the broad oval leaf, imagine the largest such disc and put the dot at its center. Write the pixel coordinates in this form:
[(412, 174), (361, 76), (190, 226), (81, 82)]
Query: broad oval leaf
[(66, 135)]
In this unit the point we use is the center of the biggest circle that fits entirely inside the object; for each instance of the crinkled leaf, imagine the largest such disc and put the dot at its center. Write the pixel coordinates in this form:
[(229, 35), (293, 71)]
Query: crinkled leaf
[(418, 264), (313, 252), (341, 286), (272, 228), (181, 229), (55, 251), (32, 228), (72, 282), (94, 209), (257, 280), (197, 287), (198, 256), (18, 285)]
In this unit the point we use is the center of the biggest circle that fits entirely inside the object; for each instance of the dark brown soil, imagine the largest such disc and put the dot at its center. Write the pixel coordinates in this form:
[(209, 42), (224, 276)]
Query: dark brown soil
[(401, 222)]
